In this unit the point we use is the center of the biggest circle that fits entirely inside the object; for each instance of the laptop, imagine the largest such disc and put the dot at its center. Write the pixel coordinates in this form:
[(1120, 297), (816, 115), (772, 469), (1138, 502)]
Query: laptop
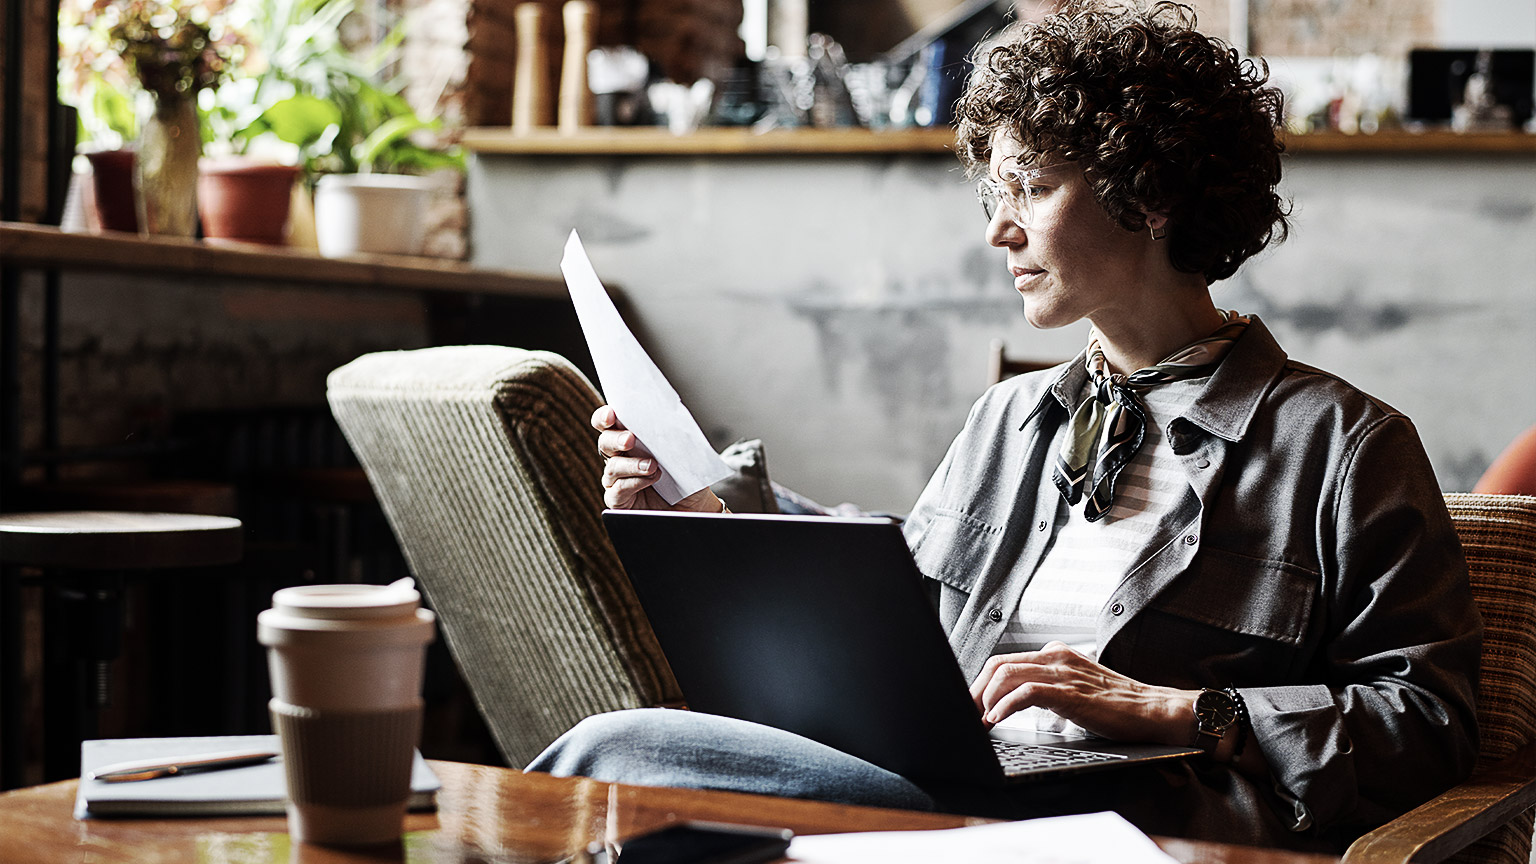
[(822, 626)]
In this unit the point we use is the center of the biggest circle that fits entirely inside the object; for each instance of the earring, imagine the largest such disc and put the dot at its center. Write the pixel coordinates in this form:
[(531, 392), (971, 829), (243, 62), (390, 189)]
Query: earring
[(1159, 232)]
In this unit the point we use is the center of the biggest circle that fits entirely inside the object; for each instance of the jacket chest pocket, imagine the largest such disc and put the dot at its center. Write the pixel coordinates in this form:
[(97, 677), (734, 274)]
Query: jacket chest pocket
[(954, 547), (1232, 619)]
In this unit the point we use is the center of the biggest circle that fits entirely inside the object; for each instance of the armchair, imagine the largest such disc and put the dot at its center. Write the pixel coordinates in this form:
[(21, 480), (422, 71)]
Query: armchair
[(1488, 818), (486, 467)]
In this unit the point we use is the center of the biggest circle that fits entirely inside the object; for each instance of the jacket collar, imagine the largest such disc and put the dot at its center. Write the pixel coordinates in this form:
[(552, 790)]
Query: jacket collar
[(1227, 404), (1064, 387), (1224, 407)]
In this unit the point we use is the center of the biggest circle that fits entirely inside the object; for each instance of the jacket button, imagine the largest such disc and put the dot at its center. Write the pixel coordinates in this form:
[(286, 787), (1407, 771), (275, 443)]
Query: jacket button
[(1117, 609), (1202, 462), (1041, 526), (994, 614), (1190, 539)]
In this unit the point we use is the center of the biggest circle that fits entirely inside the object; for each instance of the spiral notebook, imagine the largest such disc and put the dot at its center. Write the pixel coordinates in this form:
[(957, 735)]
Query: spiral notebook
[(250, 790)]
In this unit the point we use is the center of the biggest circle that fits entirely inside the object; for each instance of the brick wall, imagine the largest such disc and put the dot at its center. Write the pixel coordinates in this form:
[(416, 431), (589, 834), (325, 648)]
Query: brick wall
[(460, 55), (1325, 28)]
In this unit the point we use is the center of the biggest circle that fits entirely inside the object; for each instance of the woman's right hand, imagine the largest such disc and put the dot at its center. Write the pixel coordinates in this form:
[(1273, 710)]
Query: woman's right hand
[(630, 471)]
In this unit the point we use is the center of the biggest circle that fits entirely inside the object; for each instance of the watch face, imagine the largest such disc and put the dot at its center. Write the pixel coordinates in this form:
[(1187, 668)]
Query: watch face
[(1215, 710)]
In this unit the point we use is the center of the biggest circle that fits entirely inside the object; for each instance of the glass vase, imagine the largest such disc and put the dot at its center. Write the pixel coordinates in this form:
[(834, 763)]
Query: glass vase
[(165, 168)]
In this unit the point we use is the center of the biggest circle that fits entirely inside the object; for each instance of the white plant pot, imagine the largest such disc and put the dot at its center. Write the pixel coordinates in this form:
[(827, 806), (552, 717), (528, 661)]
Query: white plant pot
[(370, 213)]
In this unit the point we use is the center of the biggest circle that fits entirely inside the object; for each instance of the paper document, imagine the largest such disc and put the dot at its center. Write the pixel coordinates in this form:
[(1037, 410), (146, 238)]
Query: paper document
[(646, 404), (1091, 838)]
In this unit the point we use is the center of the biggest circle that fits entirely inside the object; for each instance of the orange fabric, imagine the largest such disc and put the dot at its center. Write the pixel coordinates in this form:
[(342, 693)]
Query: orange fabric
[(1514, 471)]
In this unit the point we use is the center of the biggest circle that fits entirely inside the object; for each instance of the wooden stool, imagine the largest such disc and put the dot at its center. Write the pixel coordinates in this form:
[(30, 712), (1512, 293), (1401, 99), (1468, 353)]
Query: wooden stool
[(93, 550)]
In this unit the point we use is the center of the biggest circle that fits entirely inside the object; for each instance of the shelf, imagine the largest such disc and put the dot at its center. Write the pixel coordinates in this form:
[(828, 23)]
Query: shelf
[(651, 141), (1402, 141), (46, 246)]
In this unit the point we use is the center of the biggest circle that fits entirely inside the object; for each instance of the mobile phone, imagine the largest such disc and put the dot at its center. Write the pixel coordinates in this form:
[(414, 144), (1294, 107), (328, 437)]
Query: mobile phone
[(702, 843)]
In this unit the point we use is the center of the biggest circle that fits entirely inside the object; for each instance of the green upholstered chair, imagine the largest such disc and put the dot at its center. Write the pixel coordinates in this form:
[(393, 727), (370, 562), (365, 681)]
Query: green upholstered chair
[(487, 469), (1487, 818)]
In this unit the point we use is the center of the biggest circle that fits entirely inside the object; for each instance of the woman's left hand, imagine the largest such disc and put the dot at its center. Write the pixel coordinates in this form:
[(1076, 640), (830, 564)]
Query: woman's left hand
[(1094, 697)]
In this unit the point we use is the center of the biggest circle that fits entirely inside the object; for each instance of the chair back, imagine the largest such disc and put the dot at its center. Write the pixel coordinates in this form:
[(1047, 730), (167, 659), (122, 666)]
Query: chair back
[(1498, 535), (486, 466), (1000, 365)]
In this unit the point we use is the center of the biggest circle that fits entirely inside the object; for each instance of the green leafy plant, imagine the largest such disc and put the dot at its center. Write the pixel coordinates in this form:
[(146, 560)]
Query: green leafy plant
[(320, 96), (288, 83)]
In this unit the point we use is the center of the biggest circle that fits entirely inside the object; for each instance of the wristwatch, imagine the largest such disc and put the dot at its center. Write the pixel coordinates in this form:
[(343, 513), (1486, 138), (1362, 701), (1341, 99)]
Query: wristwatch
[(1216, 711)]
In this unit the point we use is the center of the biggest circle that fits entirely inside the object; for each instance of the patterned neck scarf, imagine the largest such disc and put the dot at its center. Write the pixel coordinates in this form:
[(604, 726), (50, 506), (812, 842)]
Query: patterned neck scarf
[(1108, 427)]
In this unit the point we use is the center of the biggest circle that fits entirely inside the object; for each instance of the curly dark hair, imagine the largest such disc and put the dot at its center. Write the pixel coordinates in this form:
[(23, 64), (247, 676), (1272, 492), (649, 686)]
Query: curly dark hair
[(1159, 117)]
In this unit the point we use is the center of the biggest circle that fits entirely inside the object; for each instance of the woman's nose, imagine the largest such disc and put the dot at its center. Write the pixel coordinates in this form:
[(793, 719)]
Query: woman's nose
[(1003, 231)]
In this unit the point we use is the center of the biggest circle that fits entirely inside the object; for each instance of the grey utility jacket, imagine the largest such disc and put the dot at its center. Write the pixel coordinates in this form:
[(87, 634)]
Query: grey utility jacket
[(1312, 565)]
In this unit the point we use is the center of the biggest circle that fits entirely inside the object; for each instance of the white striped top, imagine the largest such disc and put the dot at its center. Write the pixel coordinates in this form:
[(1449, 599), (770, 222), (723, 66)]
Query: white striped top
[(1088, 560)]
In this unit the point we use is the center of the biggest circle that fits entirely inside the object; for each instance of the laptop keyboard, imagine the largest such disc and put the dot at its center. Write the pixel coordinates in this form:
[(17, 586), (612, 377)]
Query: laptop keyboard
[(1019, 758)]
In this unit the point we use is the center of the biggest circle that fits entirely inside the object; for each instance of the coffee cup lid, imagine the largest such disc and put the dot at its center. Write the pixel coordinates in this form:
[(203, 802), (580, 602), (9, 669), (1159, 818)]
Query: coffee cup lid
[(349, 601)]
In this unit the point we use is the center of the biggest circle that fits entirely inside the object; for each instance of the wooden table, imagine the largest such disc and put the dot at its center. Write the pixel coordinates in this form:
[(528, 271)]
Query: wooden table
[(485, 815)]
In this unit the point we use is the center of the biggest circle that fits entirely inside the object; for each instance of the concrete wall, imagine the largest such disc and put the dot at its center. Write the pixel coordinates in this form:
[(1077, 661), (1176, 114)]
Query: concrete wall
[(840, 307)]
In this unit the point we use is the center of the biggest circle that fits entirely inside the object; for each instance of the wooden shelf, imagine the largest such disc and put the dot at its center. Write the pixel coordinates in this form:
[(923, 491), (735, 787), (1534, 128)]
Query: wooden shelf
[(46, 246), (654, 141), (649, 141), (1402, 141)]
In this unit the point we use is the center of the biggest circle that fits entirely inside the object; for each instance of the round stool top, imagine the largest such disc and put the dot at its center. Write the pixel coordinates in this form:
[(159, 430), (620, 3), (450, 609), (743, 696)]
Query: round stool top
[(116, 540)]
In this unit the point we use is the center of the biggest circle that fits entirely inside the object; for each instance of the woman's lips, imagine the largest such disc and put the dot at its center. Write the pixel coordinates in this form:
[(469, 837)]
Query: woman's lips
[(1023, 276)]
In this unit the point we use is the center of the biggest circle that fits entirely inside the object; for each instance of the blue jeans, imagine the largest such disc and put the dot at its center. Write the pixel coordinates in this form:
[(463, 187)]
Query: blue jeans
[(664, 747)]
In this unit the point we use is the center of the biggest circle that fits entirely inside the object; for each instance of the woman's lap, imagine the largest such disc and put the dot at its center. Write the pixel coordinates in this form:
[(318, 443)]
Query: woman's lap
[(665, 747)]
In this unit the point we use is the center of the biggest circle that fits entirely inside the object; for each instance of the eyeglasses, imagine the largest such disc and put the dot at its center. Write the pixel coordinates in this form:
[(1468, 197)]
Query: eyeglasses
[(1019, 190)]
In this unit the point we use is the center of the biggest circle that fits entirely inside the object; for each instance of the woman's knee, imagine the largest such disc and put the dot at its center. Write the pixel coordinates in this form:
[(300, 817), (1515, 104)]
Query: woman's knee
[(585, 747), (661, 747)]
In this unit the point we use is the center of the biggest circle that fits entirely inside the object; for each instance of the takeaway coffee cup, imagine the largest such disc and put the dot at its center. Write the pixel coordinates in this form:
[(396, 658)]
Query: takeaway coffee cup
[(346, 664)]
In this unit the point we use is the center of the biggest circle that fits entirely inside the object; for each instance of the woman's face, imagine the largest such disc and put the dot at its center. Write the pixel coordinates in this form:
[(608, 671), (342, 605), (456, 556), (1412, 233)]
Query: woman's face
[(1071, 261)]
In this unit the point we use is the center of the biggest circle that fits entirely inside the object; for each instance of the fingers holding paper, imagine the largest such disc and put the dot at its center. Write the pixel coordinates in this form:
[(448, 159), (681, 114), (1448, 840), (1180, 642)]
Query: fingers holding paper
[(630, 471)]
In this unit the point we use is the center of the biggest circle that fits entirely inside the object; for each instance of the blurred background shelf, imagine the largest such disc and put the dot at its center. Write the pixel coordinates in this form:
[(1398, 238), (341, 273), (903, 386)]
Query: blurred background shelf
[(654, 141)]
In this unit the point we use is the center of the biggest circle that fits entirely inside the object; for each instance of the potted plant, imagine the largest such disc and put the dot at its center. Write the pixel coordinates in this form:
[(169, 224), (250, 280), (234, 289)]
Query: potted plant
[(373, 209), (95, 81), (167, 52), (325, 103)]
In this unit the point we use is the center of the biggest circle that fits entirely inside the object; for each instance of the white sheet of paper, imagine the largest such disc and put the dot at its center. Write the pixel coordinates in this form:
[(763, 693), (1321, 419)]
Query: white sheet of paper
[(646, 404), (1090, 838)]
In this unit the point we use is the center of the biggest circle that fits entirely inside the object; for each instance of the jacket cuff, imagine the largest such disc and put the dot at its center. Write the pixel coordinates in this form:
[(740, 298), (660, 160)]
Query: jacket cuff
[(1301, 732)]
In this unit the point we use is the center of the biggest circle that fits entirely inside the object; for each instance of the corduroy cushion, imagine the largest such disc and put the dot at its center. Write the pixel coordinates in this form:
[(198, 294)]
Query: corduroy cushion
[(1498, 535), (487, 469)]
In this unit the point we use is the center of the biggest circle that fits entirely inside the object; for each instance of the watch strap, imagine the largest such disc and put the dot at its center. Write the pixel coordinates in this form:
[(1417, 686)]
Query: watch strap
[(1242, 721)]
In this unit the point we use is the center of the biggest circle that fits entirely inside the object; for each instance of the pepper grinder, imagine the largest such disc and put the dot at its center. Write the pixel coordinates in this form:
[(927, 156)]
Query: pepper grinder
[(530, 83), (575, 101)]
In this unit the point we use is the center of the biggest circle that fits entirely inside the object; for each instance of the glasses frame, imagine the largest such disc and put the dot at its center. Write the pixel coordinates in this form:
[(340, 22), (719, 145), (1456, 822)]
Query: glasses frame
[(1017, 190)]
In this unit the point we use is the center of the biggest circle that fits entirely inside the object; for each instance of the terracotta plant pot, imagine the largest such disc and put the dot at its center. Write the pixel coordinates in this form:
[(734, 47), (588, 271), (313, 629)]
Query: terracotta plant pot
[(243, 199), (112, 183)]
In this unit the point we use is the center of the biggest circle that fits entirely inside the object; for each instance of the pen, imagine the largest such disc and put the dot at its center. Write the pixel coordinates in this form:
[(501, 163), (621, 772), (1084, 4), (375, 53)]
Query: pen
[(149, 769)]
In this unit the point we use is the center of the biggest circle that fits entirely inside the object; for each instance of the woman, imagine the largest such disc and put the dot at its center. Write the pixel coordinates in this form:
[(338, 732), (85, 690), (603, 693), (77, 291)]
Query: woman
[(1181, 528)]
